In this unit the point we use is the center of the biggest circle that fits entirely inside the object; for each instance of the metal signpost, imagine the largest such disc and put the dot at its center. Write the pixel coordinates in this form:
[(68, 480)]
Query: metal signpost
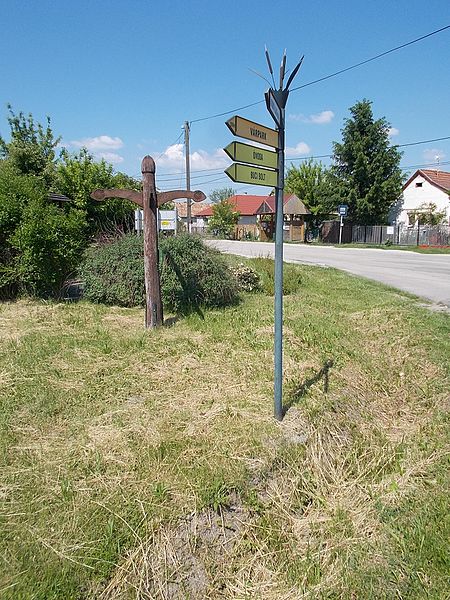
[(149, 200), (266, 172), (342, 211)]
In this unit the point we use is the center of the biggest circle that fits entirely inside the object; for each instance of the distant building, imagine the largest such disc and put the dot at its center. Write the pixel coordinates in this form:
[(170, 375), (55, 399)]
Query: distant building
[(257, 216), (196, 208), (424, 187)]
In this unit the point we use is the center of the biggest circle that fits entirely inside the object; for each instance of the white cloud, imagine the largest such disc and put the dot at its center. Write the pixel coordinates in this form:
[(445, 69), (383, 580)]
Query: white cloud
[(433, 154), (110, 157), (326, 116), (393, 131), (299, 149), (173, 157), (101, 142)]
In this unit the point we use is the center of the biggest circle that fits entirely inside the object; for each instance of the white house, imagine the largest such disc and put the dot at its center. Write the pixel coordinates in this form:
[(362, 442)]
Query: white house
[(425, 186)]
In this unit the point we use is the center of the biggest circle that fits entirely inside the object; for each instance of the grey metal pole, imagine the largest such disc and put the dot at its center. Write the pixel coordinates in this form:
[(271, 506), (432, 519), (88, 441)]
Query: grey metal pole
[(188, 174), (341, 225), (278, 353)]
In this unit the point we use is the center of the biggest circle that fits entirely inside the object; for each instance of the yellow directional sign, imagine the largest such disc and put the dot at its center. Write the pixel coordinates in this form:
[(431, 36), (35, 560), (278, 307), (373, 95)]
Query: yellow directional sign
[(253, 131), (252, 155), (253, 175)]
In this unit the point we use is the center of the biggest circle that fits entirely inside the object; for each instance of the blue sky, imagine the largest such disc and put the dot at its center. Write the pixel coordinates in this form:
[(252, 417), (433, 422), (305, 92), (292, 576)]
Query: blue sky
[(121, 77)]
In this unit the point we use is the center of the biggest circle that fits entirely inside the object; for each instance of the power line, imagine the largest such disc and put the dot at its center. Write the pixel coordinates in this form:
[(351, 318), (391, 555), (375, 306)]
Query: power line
[(359, 64)]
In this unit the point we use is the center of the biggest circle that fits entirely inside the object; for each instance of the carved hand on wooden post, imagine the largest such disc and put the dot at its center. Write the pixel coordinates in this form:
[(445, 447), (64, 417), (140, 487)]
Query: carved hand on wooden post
[(149, 200)]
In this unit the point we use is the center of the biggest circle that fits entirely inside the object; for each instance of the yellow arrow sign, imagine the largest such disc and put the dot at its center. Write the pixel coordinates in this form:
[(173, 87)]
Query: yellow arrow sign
[(252, 175), (253, 131), (252, 155)]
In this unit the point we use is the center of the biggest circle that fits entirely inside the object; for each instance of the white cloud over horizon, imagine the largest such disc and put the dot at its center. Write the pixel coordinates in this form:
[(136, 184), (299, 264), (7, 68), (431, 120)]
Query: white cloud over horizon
[(298, 150), (433, 154), (322, 118), (173, 157), (100, 142), (110, 157), (392, 131)]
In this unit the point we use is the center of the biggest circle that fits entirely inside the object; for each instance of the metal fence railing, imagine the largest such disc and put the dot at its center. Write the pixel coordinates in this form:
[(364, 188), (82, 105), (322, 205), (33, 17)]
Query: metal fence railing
[(399, 235)]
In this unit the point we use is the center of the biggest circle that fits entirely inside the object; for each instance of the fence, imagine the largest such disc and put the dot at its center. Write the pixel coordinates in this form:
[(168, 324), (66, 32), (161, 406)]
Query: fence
[(386, 234)]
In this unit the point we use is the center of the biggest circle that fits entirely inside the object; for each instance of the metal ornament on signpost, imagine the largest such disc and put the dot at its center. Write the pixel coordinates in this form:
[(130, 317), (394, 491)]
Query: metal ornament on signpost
[(260, 168), (149, 200)]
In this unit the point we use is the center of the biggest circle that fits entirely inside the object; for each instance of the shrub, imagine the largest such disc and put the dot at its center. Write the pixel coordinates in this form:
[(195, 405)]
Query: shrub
[(114, 273), (247, 278), (191, 274), (265, 267), (48, 245)]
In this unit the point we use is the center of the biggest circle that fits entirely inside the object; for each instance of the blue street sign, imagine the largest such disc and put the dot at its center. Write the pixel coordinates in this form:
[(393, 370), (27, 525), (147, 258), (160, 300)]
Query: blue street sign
[(342, 210)]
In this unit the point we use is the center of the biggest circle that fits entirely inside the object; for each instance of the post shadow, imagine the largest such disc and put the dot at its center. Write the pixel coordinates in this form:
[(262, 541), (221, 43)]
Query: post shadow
[(301, 391)]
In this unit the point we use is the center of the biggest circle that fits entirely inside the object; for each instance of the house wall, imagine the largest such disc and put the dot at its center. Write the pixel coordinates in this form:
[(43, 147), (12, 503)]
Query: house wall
[(247, 220), (414, 196)]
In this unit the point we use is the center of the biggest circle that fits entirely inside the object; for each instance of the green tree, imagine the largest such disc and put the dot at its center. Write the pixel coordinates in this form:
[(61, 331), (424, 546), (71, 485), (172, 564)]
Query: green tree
[(223, 219), (49, 243), (221, 194), (428, 214), (310, 181), (32, 146), (366, 168), (79, 174)]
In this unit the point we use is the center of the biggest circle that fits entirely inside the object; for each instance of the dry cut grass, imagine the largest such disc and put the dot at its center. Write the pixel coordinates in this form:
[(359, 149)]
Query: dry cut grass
[(148, 465)]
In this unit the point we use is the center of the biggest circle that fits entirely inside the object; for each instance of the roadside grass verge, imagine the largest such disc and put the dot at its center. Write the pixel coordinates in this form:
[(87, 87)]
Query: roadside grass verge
[(148, 464)]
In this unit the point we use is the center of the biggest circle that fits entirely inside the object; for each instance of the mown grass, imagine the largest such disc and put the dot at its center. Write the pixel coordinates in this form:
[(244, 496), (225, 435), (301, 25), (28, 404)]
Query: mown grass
[(148, 464)]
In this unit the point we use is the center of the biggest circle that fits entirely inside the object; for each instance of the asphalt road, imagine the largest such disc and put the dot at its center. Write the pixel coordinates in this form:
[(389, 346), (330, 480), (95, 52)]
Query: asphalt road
[(426, 275)]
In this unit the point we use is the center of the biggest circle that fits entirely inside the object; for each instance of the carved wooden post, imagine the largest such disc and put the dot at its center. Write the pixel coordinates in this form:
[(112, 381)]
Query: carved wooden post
[(153, 307), (149, 200)]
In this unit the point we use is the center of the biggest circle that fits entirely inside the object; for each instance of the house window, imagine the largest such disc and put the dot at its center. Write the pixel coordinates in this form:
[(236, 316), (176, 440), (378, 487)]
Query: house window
[(419, 184)]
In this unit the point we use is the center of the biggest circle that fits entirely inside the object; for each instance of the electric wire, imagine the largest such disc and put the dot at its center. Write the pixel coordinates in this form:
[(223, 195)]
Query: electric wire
[(359, 64)]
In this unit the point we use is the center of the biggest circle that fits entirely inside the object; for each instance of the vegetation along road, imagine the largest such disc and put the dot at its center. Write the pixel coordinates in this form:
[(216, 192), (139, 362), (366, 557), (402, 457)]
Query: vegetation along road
[(426, 275)]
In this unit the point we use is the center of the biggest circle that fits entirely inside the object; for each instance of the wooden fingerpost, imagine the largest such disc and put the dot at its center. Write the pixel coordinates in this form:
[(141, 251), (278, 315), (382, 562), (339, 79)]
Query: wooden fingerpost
[(149, 200), (153, 305)]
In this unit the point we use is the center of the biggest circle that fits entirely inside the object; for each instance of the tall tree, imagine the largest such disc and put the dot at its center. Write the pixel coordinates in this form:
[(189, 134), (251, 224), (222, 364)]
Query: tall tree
[(366, 168), (79, 174), (223, 219), (310, 181), (221, 194), (31, 149)]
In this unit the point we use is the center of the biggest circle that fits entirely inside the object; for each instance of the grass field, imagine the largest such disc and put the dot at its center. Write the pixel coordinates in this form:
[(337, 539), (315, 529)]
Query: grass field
[(148, 465)]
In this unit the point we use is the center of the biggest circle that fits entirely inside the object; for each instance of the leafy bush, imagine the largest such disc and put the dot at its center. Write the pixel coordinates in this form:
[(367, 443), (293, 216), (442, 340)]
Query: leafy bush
[(194, 274), (247, 278), (48, 244), (114, 273), (265, 267), (191, 274)]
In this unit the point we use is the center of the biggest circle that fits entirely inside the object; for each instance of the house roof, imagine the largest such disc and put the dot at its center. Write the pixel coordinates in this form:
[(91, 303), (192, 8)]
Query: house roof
[(196, 208), (248, 205), (440, 179)]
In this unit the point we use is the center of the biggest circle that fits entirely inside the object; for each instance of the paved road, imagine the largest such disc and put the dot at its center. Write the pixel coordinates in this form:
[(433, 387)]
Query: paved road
[(426, 275)]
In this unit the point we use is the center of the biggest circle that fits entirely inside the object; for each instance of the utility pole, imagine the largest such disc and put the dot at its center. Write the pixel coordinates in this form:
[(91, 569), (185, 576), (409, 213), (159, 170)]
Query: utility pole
[(188, 173)]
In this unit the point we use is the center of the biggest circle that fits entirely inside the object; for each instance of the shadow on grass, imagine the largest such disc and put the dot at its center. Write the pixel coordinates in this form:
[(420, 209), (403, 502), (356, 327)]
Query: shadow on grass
[(300, 392), (191, 303)]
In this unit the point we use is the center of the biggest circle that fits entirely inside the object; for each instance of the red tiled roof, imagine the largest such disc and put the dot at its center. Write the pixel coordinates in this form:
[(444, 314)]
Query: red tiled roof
[(196, 208), (248, 205), (440, 179)]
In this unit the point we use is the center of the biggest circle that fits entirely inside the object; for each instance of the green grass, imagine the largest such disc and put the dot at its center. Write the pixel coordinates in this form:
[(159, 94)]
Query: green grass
[(148, 464)]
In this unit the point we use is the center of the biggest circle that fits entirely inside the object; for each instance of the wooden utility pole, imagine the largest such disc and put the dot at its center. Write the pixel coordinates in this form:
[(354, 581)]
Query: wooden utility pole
[(149, 200), (188, 174)]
